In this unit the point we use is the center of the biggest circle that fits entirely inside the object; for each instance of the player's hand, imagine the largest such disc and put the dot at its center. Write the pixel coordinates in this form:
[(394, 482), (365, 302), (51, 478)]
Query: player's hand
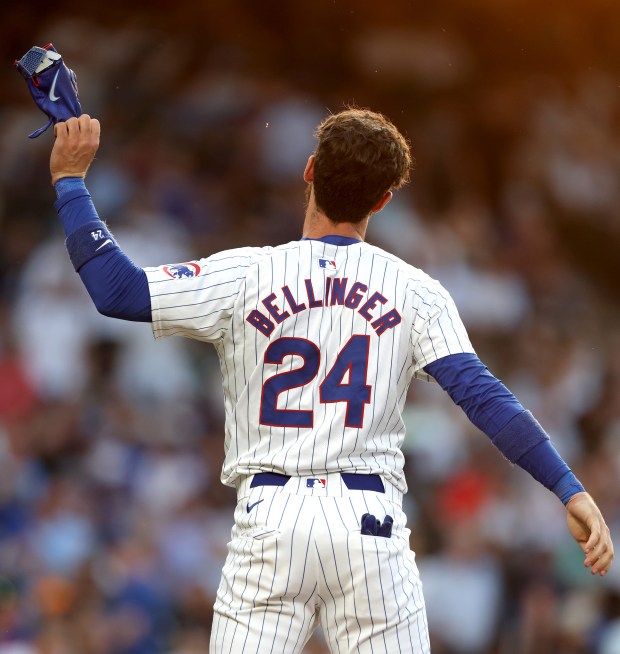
[(588, 528), (77, 140)]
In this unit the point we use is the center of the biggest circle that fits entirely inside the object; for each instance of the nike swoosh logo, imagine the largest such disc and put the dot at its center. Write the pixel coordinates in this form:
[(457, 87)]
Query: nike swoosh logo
[(108, 240), (53, 97), (251, 506)]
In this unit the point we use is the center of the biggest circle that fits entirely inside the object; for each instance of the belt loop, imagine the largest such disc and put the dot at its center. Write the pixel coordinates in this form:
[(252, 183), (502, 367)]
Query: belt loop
[(355, 481), (269, 479)]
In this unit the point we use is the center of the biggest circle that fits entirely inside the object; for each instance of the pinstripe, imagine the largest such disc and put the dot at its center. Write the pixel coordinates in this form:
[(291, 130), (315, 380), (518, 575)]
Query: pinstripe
[(324, 363), (235, 376), (368, 595), (300, 581), (382, 596), (346, 264), (352, 576), (284, 431), (246, 340), (312, 457), (279, 613), (233, 577), (302, 631), (419, 601), (270, 269), (327, 627), (333, 599), (357, 436), (342, 593), (248, 571), (289, 573), (399, 600), (397, 403), (260, 574), (371, 436), (352, 318)]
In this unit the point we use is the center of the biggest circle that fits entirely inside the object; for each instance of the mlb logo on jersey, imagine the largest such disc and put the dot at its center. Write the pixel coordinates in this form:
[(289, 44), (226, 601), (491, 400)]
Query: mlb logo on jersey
[(182, 270), (328, 264), (316, 483)]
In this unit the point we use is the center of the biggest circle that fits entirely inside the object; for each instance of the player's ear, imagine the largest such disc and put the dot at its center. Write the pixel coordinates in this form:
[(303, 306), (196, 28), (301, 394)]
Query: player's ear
[(382, 202), (309, 171)]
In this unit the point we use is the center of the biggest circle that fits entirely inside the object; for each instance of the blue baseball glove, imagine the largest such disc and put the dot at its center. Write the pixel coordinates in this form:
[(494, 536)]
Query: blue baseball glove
[(52, 85)]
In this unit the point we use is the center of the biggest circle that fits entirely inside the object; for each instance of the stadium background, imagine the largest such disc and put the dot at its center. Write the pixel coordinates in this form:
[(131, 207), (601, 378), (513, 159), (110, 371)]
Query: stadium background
[(113, 523)]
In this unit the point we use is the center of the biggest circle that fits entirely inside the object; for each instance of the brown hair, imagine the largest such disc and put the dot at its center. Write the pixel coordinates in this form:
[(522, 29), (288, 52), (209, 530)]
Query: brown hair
[(360, 156)]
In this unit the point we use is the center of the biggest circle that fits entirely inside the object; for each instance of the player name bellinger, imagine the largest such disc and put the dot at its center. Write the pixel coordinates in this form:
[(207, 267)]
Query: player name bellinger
[(356, 297)]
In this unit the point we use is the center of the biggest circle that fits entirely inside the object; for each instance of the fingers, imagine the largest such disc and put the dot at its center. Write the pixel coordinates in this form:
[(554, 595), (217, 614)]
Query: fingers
[(95, 128), (588, 528), (80, 132), (84, 126), (593, 540), (60, 131), (77, 141), (599, 550)]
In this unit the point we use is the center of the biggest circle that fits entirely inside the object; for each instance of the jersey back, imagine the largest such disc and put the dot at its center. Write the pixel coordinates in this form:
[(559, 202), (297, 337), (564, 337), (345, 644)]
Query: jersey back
[(318, 342)]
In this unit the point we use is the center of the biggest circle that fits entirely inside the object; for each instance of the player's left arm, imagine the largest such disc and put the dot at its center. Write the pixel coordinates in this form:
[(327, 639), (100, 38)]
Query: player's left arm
[(116, 285), (75, 147), (522, 440)]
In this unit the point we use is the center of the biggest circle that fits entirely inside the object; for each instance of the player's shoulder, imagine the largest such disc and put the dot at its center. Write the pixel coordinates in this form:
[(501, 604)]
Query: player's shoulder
[(252, 255), (413, 280), (410, 272), (245, 259), (247, 253)]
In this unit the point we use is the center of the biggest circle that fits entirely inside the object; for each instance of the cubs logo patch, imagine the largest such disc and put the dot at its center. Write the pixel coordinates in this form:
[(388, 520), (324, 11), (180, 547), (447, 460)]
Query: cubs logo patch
[(182, 270), (316, 483)]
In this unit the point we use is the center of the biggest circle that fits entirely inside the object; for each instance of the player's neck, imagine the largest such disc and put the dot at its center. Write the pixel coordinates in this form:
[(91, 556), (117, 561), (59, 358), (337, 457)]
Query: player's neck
[(317, 225)]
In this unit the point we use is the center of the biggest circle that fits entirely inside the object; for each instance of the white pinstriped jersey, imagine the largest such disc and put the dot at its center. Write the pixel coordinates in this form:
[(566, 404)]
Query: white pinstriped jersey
[(317, 344)]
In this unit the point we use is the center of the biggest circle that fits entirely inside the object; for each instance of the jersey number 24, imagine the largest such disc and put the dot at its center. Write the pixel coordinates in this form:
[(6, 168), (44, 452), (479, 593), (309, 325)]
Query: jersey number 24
[(352, 360)]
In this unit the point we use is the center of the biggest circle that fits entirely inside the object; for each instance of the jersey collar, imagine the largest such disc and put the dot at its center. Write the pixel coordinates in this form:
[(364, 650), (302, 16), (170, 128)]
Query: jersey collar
[(334, 239)]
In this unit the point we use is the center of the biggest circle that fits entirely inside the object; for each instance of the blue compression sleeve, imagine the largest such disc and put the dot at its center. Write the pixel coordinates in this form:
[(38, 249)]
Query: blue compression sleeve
[(485, 400), (117, 286), (498, 413)]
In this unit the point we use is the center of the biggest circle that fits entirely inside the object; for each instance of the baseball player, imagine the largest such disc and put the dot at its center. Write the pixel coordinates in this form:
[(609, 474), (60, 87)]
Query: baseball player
[(318, 340)]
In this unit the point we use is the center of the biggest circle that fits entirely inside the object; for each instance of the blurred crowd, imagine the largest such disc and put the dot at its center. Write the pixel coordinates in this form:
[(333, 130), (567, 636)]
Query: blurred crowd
[(113, 521)]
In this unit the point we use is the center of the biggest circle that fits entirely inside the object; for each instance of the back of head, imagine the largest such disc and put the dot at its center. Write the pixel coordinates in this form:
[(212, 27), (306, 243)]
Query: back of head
[(360, 156)]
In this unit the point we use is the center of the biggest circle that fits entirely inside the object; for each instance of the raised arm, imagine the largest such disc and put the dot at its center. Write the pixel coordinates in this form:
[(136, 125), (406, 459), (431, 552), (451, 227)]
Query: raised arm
[(117, 286)]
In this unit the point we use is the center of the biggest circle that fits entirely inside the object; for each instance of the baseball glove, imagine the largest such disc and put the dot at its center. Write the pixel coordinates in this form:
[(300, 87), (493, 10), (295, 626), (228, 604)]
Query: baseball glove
[(52, 85)]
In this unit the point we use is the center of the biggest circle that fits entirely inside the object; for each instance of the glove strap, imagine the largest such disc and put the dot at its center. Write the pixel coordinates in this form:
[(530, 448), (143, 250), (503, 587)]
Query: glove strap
[(40, 131)]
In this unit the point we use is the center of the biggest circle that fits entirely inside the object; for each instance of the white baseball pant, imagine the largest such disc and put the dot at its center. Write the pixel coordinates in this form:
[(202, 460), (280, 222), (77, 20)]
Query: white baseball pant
[(297, 558)]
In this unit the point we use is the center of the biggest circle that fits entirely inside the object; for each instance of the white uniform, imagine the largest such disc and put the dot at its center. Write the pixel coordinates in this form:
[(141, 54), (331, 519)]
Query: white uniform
[(318, 343)]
